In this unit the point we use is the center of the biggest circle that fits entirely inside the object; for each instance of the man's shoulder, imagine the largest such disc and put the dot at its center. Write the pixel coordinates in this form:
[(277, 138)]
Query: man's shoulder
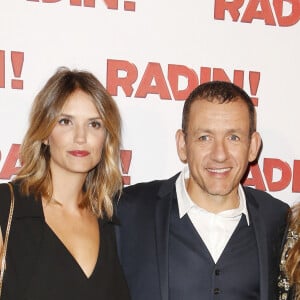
[(141, 187), (154, 185), (265, 199), (149, 189)]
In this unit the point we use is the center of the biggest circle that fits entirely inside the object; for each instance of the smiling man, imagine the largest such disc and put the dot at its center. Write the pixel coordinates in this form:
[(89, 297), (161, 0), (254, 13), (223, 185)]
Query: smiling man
[(201, 234)]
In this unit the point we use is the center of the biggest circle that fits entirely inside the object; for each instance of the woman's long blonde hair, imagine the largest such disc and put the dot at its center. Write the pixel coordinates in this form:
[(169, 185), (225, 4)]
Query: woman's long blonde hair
[(293, 259), (104, 181)]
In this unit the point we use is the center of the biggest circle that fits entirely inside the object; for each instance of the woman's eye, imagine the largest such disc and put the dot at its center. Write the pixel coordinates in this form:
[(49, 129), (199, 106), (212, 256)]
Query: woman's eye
[(95, 124), (64, 121)]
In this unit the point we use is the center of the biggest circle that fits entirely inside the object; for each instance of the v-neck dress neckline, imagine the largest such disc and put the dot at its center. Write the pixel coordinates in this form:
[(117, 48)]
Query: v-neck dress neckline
[(59, 276)]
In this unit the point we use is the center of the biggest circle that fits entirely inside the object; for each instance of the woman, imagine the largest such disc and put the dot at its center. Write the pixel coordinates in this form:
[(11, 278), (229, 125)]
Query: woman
[(289, 279), (61, 243)]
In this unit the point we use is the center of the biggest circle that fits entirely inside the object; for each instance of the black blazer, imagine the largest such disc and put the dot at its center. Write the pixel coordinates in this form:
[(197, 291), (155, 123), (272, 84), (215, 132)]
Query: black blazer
[(142, 237)]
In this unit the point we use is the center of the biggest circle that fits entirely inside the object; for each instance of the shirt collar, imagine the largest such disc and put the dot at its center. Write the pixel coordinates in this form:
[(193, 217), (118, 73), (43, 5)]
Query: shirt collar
[(185, 203)]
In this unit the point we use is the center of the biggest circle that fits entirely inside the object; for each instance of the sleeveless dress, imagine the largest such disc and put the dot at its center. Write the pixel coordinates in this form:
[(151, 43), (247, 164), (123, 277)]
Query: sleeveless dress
[(40, 267)]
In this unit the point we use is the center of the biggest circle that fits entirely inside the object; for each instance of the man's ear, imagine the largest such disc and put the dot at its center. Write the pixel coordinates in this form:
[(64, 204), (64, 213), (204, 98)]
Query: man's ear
[(181, 146), (255, 145)]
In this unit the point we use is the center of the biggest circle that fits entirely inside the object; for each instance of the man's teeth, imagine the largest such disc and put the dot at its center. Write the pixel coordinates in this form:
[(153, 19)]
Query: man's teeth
[(219, 170)]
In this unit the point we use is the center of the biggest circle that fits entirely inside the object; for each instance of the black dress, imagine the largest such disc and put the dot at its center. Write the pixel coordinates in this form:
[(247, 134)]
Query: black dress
[(40, 267)]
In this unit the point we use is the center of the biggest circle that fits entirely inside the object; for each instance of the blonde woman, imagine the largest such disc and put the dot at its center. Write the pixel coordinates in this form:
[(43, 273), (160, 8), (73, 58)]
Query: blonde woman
[(62, 243)]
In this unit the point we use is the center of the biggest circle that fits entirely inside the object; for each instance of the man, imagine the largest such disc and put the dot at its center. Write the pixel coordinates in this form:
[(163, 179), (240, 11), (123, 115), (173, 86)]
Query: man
[(201, 234)]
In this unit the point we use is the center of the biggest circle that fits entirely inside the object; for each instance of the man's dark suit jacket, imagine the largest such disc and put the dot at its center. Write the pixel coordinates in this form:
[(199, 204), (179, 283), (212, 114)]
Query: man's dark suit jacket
[(143, 234)]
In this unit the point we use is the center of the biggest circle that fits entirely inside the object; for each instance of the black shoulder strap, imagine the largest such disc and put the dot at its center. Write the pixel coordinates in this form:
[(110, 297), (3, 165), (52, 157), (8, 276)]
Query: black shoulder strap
[(5, 198)]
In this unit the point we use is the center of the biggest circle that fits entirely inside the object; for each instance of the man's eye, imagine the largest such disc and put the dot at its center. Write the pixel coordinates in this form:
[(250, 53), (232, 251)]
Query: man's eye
[(64, 121), (95, 124), (203, 138), (234, 138)]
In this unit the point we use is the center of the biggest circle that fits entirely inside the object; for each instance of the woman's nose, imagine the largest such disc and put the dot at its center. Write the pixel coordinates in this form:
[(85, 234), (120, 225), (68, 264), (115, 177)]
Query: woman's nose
[(80, 134)]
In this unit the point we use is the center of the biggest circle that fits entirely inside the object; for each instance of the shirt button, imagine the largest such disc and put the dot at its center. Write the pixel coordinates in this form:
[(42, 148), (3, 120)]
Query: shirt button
[(216, 291), (217, 272)]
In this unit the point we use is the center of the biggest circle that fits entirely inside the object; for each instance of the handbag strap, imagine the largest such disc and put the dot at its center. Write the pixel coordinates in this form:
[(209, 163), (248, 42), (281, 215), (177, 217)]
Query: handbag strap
[(4, 247)]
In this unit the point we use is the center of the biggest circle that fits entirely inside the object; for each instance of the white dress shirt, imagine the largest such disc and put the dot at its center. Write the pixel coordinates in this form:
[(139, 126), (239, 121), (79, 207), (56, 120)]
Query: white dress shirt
[(215, 229)]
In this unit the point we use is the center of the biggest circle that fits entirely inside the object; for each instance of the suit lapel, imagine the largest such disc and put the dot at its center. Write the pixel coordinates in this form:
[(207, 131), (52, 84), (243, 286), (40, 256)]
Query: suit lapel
[(262, 245), (162, 217)]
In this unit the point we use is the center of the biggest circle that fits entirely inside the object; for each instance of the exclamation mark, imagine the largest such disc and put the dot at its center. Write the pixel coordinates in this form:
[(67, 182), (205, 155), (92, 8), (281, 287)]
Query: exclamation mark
[(125, 156), (129, 5), (2, 69), (254, 78), (17, 59)]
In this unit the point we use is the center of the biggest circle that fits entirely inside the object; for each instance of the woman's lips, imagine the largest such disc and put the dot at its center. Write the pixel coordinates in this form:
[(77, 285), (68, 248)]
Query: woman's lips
[(79, 153)]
